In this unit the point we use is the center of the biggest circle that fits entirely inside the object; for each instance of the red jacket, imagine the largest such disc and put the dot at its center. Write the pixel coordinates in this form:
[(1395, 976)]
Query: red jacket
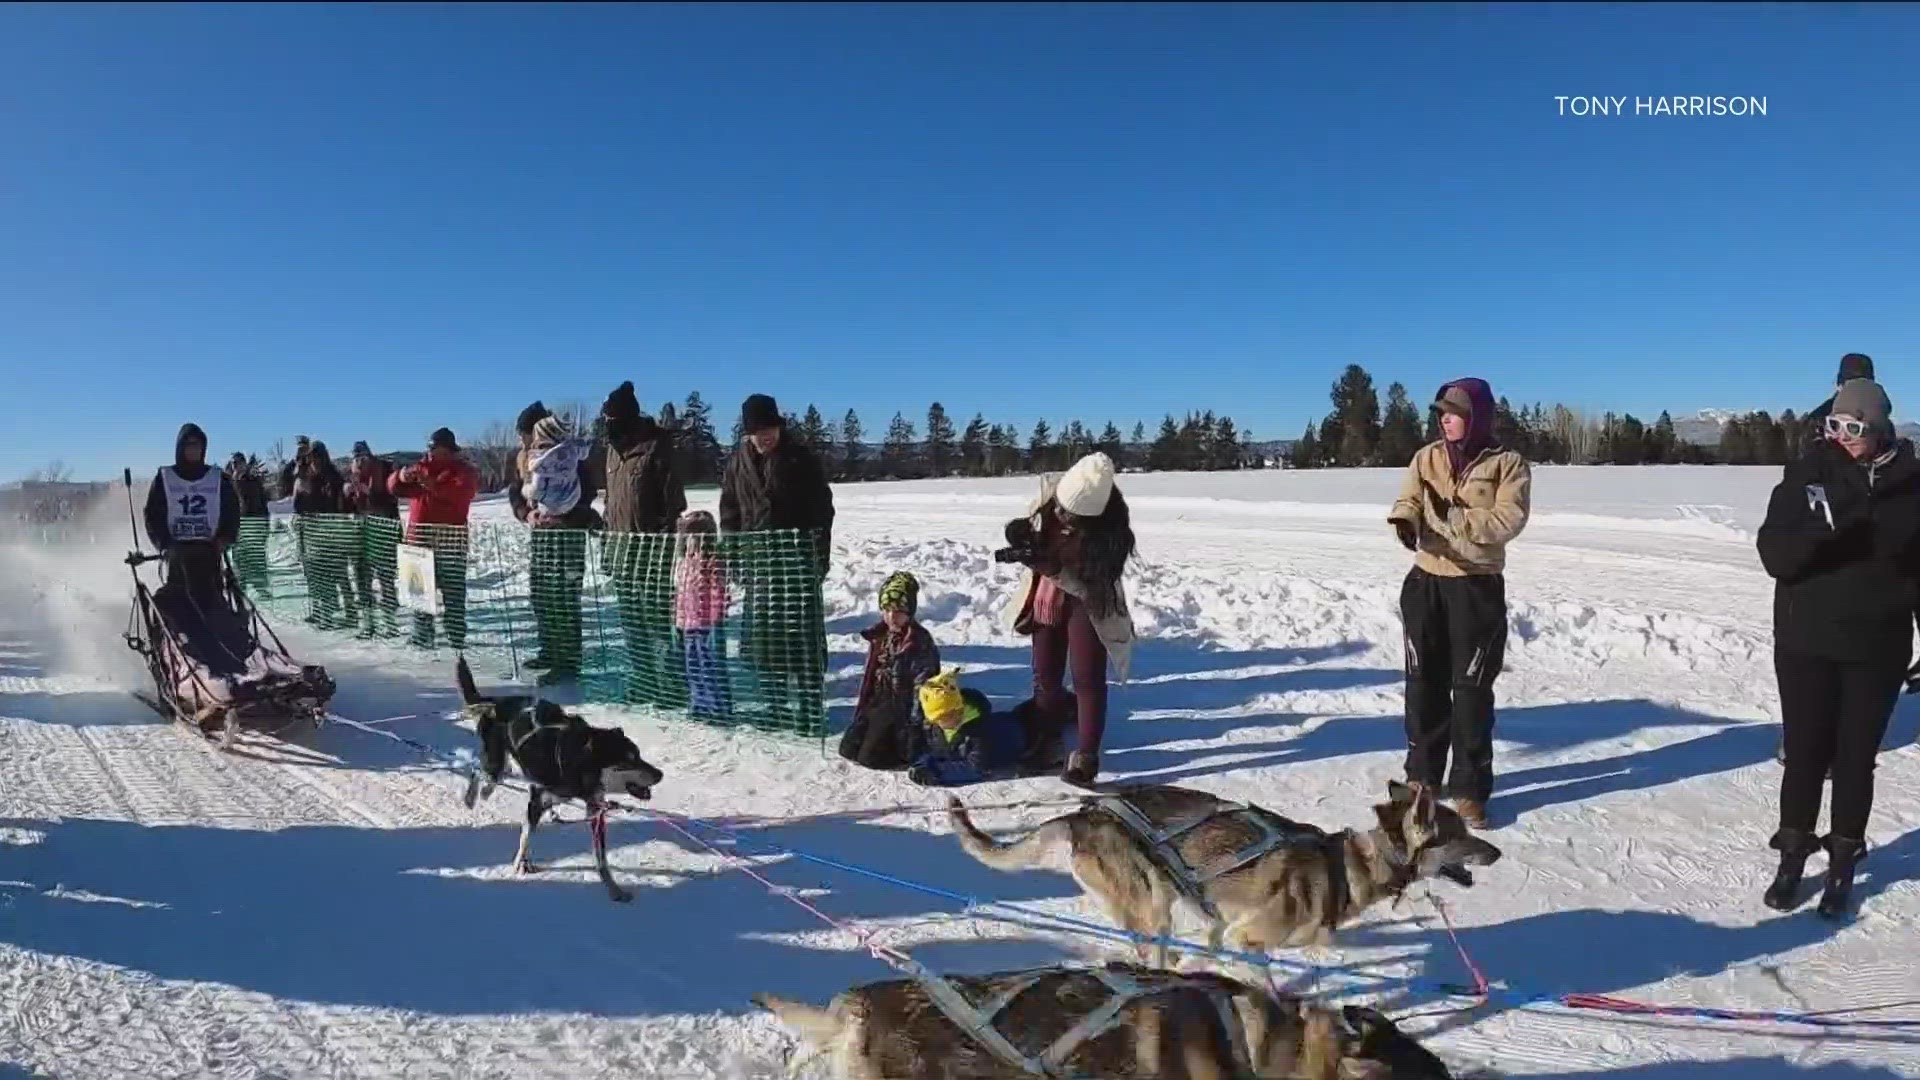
[(440, 492)]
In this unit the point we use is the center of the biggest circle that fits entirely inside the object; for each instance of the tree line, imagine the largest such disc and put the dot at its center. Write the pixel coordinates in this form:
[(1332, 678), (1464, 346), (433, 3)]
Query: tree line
[(1358, 433)]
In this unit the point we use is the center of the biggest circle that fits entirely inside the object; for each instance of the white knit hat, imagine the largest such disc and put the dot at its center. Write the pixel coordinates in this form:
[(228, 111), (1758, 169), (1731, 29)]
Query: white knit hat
[(1083, 490)]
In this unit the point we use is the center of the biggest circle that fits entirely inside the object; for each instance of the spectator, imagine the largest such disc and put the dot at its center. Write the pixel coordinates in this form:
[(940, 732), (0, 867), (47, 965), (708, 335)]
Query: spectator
[(1841, 540), (901, 654), (250, 543), (332, 541), (772, 482), (558, 491), (1852, 366), (700, 607), (290, 471), (1075, 540), (368, 496), (441, 488), (1464, 500), (644, 501)]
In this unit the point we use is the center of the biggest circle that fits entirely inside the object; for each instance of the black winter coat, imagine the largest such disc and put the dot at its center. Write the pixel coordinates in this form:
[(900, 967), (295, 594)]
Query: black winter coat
[(1845, 590), (786, 489)]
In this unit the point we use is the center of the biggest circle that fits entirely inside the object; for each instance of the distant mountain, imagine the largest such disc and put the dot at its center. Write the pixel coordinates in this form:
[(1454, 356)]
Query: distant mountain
[(1704, 427)]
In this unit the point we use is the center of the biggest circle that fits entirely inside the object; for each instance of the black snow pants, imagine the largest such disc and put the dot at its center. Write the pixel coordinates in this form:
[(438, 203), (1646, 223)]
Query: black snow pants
[(1835, 713), (1456, 643)]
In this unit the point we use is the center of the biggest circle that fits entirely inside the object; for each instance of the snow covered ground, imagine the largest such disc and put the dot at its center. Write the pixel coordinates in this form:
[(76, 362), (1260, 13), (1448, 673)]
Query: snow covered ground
[(329, 908)]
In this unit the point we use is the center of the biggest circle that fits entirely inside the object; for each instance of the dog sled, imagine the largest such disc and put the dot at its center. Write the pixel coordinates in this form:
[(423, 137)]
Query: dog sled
[(215, 663)]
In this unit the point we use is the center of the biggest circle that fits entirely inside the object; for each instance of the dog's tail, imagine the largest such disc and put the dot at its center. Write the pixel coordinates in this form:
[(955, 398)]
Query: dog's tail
[(469, 692), (1035, 850), (814, 1025)]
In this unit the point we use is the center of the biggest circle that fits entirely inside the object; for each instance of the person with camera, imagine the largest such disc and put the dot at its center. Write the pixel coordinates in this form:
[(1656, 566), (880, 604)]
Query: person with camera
[(1465, 498), (1075, 541), (1841, 540)]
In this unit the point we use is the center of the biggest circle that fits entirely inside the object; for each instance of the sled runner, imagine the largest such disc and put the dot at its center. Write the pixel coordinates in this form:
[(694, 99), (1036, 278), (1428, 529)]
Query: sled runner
[(216, 664)]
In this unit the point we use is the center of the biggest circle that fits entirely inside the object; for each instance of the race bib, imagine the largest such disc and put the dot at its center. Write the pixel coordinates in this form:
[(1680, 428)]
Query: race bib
[(193, 506)]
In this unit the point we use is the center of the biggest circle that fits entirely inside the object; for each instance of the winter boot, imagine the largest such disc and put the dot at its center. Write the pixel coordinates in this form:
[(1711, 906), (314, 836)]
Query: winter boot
[(1082, 767), (1473, 812), (1794, 846), (1842, 854)]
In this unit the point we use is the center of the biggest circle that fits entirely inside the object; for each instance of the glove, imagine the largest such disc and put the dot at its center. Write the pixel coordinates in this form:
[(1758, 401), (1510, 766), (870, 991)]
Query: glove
[(1409, 537)]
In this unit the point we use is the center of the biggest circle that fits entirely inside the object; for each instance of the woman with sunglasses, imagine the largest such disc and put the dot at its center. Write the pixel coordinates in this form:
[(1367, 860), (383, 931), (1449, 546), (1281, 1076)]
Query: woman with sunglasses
[(1075, 540), (1842, 541)]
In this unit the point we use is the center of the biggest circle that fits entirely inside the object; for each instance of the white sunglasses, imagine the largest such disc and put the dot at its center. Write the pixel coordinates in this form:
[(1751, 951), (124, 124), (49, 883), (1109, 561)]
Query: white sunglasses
[(1838, 426)]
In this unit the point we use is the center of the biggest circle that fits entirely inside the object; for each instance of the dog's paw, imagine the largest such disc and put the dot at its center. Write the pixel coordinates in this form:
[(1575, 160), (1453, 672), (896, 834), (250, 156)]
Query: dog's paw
[(524, 868)]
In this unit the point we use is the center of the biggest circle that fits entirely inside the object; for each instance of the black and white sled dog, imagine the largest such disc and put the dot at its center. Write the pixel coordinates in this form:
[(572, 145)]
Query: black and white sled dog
[(562, 757)]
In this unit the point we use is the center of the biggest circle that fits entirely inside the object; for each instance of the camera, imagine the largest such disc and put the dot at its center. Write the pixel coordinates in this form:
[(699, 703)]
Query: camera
[(1023, 544)]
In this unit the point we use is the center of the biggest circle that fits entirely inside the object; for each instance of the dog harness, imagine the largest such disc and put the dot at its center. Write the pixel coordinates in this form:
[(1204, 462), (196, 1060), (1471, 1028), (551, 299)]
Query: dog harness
[(1122, 990), (1275, 832)]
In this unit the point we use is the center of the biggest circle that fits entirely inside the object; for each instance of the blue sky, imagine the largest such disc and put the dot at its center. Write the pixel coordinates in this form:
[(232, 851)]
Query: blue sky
[(364, 222)]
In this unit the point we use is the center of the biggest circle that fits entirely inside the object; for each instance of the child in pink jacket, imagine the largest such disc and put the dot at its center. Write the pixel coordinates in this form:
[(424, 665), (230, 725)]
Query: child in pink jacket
[(699, 607)]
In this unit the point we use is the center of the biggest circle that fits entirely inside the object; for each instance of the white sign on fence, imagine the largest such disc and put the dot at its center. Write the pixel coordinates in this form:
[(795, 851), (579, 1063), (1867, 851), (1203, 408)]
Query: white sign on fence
[(414, 578)]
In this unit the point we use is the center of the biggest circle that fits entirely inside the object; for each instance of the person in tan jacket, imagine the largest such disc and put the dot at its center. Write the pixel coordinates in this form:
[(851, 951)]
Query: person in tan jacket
[(1465, 498)]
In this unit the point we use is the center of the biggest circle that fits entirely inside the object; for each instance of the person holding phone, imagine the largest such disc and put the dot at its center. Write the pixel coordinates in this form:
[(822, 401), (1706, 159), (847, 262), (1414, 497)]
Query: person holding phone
[(1841, 540)]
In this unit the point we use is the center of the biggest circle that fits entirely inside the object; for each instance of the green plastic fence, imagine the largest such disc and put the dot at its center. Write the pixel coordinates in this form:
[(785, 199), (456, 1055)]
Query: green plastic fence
[(725, 629)]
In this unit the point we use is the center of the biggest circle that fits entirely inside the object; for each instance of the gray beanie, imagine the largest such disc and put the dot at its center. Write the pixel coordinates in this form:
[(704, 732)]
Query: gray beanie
[(1863, 399)]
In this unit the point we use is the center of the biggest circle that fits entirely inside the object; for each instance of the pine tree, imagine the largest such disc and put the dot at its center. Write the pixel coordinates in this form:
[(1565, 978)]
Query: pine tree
[(1227, 451), (1506, 428), (939, 440), (1432, 432), (1737, 445), (1306, 451), (852, 452), (1793, 430), (1003, 450), (896, 453), (1770, 440), (820, 436), (1040, 448), (1164, 454), (1400, 430), (698, 449), (1629, 442), (1075, 443), (1139, 434), (1191, 454), (1333, 432), (1113, 445), (973, 447), (1662, 443), (1358, 407)]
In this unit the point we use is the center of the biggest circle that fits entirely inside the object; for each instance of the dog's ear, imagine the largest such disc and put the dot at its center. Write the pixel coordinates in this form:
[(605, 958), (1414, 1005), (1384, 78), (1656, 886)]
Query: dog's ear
[(1399, 792), (485, 712)]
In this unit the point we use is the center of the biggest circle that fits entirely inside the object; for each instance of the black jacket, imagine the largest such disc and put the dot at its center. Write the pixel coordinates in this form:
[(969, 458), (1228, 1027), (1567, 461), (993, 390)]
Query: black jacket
[(158, 534), (1845, 590), (786, 489), (644, 493)]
